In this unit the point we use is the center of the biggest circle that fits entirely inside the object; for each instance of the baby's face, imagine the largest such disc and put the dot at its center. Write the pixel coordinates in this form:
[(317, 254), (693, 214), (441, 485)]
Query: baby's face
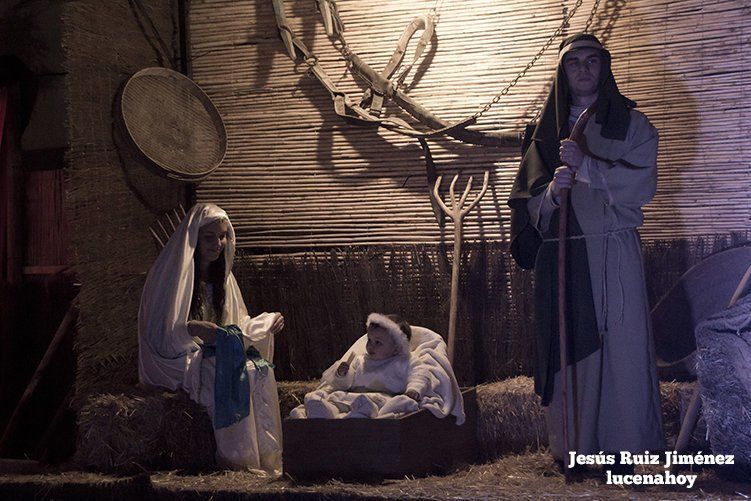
[(380, 344)]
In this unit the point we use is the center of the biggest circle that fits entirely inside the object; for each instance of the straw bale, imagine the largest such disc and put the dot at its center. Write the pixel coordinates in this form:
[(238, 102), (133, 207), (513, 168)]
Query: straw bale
[(724, 370), (149, 430), (139, 429), (510, 418), (144, 430), (292, 394)]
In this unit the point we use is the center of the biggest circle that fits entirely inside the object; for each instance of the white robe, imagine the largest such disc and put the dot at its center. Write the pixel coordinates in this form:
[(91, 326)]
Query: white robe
[(393, 375), (169, 358), (425, 370)]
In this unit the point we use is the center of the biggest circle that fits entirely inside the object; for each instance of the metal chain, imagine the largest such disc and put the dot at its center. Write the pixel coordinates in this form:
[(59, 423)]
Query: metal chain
[(534, 60), (436, 10), (346, 51), (591, 16)]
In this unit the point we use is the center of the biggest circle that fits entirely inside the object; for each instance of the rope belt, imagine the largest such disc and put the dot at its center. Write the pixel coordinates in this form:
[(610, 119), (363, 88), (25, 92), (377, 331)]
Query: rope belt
[(589, 235), (603, 327)]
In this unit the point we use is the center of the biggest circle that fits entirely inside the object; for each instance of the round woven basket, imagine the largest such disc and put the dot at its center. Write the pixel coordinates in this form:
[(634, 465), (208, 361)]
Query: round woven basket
[(173, 123)]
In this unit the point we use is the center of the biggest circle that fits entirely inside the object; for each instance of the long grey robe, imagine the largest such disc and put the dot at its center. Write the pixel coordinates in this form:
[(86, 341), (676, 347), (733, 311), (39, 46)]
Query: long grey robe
[(616, 387)]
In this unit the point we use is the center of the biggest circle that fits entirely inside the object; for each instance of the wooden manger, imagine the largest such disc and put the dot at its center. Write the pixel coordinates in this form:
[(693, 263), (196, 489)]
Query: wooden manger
[(416, 444)]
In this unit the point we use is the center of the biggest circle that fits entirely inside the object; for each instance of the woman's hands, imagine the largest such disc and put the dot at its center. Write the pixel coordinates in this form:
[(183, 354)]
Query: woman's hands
[(278, 324), (205, 331)]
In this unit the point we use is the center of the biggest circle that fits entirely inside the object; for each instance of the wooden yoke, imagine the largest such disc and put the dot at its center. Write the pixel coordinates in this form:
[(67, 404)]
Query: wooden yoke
[(380, 84), (457, 213)]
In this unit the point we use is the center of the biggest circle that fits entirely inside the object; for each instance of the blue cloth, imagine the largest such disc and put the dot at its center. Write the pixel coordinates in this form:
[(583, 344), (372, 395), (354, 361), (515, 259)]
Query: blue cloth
[(231, 385), (261, 364)]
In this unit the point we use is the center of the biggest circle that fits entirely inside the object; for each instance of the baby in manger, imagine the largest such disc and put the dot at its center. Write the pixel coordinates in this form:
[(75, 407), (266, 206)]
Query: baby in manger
[(393, 370)]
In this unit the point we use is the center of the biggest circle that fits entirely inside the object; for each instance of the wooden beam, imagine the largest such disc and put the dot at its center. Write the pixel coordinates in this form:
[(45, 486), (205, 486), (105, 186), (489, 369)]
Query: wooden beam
[(57, 340)]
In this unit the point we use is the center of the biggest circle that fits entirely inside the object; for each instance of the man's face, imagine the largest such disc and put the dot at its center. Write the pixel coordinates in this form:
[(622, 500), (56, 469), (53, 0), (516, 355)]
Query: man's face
[(582, 67)]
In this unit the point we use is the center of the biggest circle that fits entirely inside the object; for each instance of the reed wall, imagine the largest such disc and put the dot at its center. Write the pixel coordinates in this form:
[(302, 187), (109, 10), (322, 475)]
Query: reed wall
[(296, 175), (297, 179)]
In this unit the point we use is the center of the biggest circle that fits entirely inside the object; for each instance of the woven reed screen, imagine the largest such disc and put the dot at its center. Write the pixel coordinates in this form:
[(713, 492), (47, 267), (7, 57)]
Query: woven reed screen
[(298, 176)]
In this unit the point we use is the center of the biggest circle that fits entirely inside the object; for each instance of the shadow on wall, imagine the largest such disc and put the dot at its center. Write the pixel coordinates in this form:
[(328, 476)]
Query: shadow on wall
[(376, 148), (664, 96), (381, 150)]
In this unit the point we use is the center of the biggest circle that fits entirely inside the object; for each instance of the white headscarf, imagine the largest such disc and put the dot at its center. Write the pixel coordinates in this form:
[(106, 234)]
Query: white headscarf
[(163, 339)]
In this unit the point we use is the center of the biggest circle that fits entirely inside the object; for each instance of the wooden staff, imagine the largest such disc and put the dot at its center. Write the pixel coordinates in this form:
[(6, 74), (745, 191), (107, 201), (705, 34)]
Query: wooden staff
[(457, 214), (576, 134)]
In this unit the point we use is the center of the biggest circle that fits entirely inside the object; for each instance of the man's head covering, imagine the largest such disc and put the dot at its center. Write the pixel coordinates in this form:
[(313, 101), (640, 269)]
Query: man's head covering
[(542, 157)]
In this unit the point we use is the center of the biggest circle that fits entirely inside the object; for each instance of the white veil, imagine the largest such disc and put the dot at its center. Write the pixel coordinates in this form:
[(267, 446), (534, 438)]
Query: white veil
[(169, 358), (163, 340)]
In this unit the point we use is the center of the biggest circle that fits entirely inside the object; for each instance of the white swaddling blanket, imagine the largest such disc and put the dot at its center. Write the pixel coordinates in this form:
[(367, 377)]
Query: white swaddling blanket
[(427, 369)]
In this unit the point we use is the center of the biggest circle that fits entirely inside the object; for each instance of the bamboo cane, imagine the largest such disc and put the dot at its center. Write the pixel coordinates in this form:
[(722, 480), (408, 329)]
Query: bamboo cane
[(457, 213), (576, 134), (163, 237)]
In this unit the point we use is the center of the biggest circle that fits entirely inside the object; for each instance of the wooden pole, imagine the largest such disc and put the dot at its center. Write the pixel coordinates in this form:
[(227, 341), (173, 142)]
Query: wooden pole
[(454, 305), (57, 340), (688, 425), (576, 135), (562, 324)]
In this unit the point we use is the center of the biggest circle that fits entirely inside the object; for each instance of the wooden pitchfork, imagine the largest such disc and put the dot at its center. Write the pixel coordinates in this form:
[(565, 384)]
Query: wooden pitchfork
[(576, 134), (457, 213)]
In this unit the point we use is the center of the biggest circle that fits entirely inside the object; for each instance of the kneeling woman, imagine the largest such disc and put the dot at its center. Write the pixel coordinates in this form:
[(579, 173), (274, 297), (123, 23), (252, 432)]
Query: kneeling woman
[(190, 292)]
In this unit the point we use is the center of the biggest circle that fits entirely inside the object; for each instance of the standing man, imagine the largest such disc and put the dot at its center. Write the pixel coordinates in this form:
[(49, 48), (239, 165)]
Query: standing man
[(614, 399)]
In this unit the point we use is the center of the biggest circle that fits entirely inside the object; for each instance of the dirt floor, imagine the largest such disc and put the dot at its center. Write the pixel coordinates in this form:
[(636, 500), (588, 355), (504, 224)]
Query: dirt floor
[(527, 476)]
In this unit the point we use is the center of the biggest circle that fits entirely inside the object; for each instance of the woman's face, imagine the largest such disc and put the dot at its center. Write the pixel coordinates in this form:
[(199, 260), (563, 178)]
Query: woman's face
[(211, 240)]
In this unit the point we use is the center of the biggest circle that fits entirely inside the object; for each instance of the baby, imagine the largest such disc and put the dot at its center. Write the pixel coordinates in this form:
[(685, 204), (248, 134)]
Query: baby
[(363, 384)]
